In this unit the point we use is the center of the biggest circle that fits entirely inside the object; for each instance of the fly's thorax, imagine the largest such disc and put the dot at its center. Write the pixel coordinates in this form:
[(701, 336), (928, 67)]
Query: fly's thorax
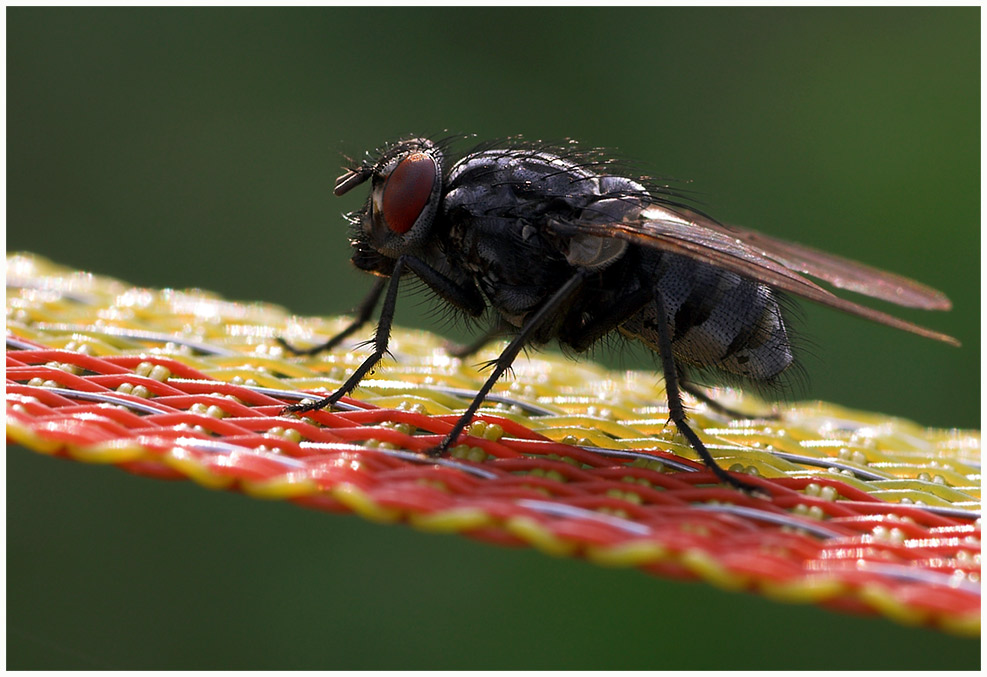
[(535, 189), (510, 260), (499, 207), (519, 183), (405, 194)]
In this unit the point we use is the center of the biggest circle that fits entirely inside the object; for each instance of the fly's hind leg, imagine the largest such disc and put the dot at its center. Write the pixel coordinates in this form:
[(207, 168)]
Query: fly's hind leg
[(697, 392), (676, 411)]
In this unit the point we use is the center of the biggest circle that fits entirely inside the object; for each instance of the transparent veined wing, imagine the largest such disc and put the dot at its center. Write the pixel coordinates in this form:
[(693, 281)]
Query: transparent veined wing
[(841, 272), (683, 231)]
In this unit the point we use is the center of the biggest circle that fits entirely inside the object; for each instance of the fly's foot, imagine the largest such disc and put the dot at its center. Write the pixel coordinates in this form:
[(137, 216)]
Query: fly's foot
[(444, 447), (723, 409), (288, 347), (307, 352), (459, 350), (746, 487), (308, 405), (438, 450)]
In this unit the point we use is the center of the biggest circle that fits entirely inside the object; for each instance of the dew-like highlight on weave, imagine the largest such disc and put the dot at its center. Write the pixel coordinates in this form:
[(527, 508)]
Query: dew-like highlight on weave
[(861, 512)]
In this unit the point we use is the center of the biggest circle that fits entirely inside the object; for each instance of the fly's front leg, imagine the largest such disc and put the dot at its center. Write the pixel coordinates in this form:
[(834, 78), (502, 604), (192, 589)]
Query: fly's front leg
[(363, 313), (381, 338), (466, 298), (558, 300), (676, 411)]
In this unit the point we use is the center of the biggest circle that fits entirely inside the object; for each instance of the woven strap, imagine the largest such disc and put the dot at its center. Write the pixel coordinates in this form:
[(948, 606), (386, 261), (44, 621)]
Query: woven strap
[(865, 513)]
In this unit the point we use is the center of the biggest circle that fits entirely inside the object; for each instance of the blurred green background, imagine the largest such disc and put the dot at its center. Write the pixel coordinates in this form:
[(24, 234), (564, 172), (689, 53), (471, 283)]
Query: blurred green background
[(197, 147)]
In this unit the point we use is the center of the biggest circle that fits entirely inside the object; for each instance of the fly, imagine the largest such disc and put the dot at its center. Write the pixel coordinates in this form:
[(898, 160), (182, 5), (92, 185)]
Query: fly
[(563, 251)]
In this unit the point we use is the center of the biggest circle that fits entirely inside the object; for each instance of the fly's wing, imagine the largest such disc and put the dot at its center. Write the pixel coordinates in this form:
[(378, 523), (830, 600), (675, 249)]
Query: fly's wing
[(690, 234), (838, 271)]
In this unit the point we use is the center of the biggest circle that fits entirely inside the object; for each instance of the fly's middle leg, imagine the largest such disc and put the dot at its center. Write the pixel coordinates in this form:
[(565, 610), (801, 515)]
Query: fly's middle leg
[(381, 338), (558, 300), (496, 329)]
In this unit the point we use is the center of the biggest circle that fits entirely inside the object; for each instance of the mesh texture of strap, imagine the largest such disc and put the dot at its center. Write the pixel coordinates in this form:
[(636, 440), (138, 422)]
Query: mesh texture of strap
[(864, 513)]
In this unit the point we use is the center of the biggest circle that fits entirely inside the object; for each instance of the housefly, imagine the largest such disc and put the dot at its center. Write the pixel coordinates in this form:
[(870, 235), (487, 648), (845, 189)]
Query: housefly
[(562, 249)]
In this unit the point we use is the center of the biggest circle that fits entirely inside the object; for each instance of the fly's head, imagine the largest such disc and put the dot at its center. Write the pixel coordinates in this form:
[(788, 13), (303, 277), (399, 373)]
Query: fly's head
[(405, 190)]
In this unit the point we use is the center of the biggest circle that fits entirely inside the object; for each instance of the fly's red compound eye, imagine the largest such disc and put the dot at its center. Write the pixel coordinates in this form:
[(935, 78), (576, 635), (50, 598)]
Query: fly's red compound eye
[(406, 192)]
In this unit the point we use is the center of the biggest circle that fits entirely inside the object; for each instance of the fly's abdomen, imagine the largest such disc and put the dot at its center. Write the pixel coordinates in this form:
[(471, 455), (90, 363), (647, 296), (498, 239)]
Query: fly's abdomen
[(717, 319)]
